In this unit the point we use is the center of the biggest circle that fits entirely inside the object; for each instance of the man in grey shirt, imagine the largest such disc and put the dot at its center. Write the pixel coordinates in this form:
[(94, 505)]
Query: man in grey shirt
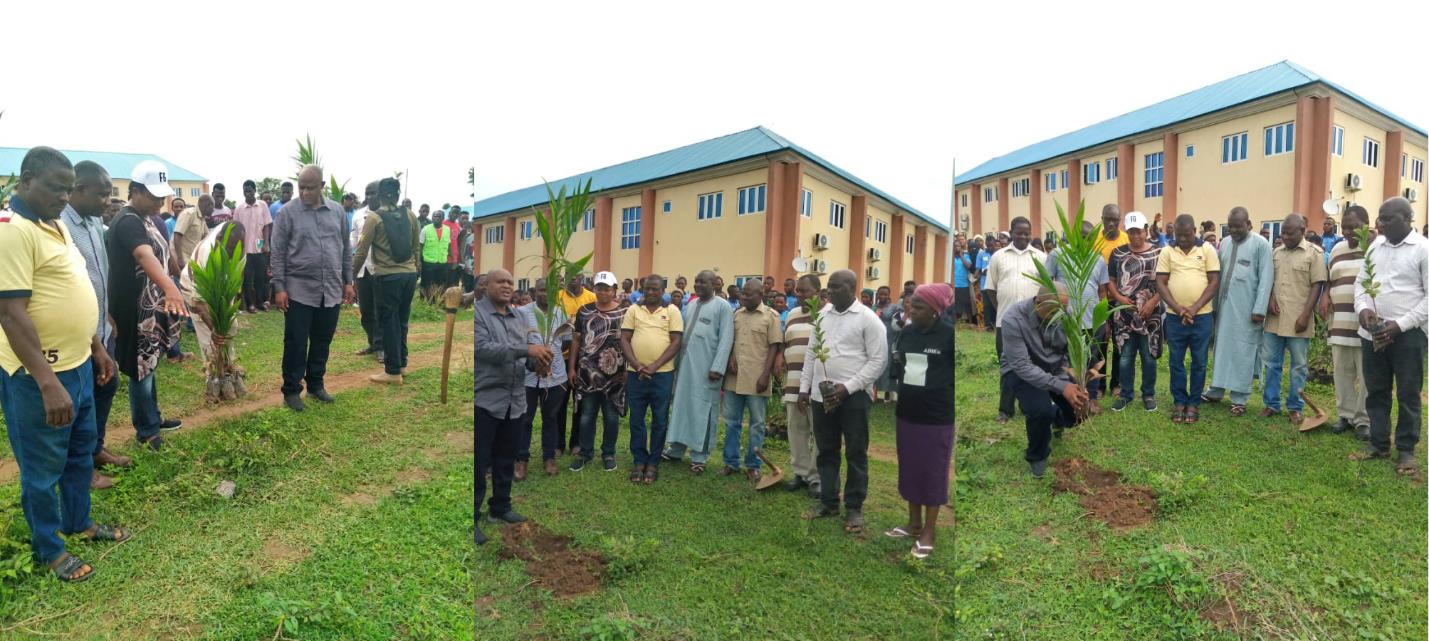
[(84, 219), (1090, 296), (1034, 370), (312, 279), (503, 356)]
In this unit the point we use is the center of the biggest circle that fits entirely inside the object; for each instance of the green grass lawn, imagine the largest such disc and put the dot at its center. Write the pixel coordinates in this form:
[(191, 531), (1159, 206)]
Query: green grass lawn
[(351, 521), (1253, 517), (709, 558)]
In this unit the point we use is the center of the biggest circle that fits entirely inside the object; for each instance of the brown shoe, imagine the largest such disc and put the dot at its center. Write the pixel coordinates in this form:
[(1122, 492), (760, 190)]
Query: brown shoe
[(100, 482), (753, 475), (520, 470), (384, 377), (1296, 418), (1093, 407), (1267, 413), (105, 457), (728, 471), (550, 467)]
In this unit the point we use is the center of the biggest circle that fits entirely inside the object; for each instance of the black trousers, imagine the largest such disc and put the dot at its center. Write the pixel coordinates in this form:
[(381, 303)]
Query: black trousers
[(367, 293), (846, 426), (255, 280), (1043, 410), (496, 442), (1397, 373), (989, 312), (1004, 394), (433, 276), (551, 402), (394, 309), (307, 335)]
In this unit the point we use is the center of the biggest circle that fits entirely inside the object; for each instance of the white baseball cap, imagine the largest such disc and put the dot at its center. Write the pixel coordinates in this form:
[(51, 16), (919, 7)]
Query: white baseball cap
[(1135, 220), (606, 278), (154, 176)]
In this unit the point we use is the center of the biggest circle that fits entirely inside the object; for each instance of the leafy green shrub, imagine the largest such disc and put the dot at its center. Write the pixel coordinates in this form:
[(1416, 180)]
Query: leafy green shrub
[(611, 628), (626, 555)]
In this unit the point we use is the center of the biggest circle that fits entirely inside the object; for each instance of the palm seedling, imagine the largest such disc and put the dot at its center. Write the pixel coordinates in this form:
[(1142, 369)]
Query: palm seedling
[(219, 283), (817, 348), (308, 155), (555, 225), (1370, 285), (1077, 257)]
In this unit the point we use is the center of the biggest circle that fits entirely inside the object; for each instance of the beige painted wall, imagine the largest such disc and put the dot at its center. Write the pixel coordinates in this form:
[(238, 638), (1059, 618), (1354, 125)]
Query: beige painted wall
[(1049, 209), (818, 223), (989, 208), (1148, 206), (624, 262), (966, 210), (878, 214), (1095, 196), (1371, 194), (1263, 185), (731, 244), (491, 254), (1021, 205), (1416, 151)]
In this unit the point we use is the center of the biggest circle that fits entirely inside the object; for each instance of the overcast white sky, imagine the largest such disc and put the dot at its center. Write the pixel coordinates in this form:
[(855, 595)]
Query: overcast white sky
[(890, 91), (224, 88)]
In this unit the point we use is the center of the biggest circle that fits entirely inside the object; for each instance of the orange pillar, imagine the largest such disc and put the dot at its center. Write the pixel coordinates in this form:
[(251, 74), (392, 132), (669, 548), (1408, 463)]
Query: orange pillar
[(920, 253), (1034, 202), (1001, 204), (647, 231), (856, 239), (601, 259), (476, 242), (1320, 158), (1074, 189), (787, 219), (773, 217), (975, 197), (1125, 178), (896, 256), (508, 259), (940, 259), (1169, 145), (1393, 148)]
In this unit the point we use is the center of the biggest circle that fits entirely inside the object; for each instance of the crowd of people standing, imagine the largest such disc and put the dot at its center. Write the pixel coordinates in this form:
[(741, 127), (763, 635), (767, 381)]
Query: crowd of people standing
[(1248, 300)]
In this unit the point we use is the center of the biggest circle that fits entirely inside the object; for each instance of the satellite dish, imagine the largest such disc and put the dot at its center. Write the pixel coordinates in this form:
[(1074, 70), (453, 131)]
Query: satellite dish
[(801, 265), (1330, 207)]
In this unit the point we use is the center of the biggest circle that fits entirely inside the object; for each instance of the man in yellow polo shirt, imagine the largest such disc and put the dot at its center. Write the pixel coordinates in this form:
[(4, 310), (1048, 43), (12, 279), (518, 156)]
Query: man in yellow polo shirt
[(1187, 276), (650, 337), (50, 360)]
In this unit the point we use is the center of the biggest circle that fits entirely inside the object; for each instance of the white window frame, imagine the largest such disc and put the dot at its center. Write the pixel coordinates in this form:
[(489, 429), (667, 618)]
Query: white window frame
[(710, 206), (1051, 182), (1280, 139), (1337, 141), (1416, 170), (588, 220), (665, 207), (630, 228), (496, 234), (1236, 143), (838, 214), (1158, 172), (880, 231), (1111, 168), (908, 244), (751, 197), (527, 229), (1091, 173), (806, 203), (1370, 151)]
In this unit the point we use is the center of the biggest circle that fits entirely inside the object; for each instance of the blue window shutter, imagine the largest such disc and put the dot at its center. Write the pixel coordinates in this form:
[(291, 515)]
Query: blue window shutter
[(1290, 137), (1269, 147), (1225, 150)]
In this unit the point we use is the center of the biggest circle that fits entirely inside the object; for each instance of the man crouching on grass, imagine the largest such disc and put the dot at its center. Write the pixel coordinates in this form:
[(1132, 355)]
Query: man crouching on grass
[(502, 358), (1034, 367)]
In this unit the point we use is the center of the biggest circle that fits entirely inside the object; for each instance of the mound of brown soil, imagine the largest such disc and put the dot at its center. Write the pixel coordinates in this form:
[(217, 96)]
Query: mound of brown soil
[(551, 561), (1102, 493)]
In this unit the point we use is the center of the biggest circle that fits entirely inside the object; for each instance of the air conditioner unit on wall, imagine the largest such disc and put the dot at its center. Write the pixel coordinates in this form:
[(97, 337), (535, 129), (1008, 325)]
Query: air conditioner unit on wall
[(1411, 194), (1352, 182), (874, 254), (821, 266), (821, 241), (872, 273)]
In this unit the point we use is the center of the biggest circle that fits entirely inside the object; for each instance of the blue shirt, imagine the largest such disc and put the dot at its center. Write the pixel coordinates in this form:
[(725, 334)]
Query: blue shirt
[(636, 297), (960, 272), (1328, 242), (557, 376), (170, 224), (981, 265), (273, 210)]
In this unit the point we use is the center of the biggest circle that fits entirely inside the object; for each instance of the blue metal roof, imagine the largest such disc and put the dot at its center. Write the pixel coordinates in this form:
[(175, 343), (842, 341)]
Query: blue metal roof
[(119, 165), (1279, 77), (718, 151)]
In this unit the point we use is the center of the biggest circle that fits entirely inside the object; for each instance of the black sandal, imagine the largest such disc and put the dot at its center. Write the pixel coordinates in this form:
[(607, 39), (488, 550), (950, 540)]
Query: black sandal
[(69, 567), (651, 473), (636, 472), (113, 533)]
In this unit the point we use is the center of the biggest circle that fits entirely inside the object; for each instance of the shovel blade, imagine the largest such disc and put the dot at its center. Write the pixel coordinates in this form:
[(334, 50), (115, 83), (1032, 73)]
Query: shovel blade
[(772, 477)]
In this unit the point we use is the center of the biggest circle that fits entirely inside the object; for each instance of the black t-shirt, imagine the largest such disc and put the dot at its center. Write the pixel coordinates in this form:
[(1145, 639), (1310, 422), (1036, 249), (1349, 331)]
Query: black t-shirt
[(926, 357), (126, 283)]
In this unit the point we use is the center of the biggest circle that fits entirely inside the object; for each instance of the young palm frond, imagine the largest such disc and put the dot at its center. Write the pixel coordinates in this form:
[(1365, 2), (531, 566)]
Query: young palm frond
[(219, 284), (555, 224)]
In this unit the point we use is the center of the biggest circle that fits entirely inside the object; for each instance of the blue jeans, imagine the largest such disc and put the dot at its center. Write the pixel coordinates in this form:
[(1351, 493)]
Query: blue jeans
[(50, 457), (1137, 344), (654, 395), (1197, 338), (144, 406), (734, 405), (1273, 348)]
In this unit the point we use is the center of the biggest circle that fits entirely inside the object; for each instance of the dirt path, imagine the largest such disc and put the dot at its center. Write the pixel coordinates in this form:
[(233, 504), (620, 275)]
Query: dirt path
[(265, 394)]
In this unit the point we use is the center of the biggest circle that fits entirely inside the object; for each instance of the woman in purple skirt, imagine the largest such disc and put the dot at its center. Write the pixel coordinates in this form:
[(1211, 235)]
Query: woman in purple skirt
[(924, 354)]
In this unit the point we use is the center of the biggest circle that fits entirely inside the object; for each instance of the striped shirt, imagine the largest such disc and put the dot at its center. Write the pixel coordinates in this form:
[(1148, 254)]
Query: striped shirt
[(1007, 275), (1344, 268), (797, 332), (88, 235)]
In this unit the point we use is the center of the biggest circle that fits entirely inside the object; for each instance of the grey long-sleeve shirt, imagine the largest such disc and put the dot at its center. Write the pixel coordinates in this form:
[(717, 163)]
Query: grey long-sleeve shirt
[(312, 253), (501, 361), (1034, 352)]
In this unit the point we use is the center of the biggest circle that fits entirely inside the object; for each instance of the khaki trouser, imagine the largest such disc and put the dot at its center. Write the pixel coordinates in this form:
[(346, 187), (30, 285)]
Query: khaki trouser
[(802, 449), (1349, 384)]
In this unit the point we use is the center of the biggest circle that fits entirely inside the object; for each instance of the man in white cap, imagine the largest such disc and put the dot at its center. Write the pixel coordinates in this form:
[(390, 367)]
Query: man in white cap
[(143, 299), (1247, 275)]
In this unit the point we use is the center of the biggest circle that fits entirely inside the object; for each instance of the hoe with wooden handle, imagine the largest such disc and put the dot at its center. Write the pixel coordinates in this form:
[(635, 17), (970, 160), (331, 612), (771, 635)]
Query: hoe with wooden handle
[(451, 300), (773, 477), (1312, 422)]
